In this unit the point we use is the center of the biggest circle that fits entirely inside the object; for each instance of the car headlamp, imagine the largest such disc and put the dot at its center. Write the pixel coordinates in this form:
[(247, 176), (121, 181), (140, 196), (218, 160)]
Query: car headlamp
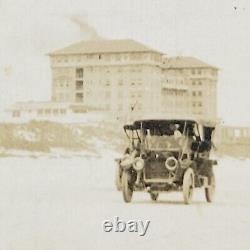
[(171, 163), (138, 164)]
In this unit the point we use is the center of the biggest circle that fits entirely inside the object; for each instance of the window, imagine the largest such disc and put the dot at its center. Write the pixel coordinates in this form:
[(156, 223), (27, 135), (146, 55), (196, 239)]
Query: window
[(139, 69), (79, 97), (138, 56), (62, 111), (119, 69), (131, 56), (200, 93), (194, 93), (79, 85), (152, 56), (100, 57), (107, 94), (199, 71), (193, 71), (16, 113), (79, 73), (47, 111), (39, 111), (237, 133), (193, 83), (107, 57), (89, 56), (55, 111), (214, 72), (118, 57)]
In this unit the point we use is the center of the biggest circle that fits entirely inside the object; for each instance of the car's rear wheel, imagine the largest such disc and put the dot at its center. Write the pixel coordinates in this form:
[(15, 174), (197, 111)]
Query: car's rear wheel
[(154, 196), (188, 185), (118, 183), (127, 186), (210, 190)]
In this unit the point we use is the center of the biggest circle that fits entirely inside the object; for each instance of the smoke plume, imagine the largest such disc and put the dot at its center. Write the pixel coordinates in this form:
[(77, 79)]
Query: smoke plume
[(88, 32)]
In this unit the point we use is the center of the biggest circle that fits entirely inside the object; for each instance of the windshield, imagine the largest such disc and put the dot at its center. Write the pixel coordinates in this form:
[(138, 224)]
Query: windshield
[(167, 136), (171, 138), (163, 142)]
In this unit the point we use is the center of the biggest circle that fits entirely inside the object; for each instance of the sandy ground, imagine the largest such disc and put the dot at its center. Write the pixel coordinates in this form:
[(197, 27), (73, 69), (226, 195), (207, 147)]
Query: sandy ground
[(61, 203)]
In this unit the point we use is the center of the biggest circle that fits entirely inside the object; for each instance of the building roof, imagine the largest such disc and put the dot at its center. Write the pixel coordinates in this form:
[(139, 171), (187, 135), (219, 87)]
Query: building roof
[(104, 46), (180, 62), (151, 123)]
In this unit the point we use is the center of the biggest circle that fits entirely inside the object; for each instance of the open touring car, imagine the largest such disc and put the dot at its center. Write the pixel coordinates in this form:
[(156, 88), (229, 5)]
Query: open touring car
[(167, 155)]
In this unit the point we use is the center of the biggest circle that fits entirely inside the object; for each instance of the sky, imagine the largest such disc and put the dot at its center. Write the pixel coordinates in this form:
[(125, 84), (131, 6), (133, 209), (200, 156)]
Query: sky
[(217, 32)]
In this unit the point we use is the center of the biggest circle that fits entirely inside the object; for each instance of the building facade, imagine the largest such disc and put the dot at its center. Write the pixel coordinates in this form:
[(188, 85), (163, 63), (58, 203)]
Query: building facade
[(127, 78), (200, 81), (115, 76), (230, 135), (42, 110)]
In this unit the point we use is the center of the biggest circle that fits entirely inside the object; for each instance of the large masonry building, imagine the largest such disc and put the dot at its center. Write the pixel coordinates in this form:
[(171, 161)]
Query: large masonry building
[(198, 82), (125, 77)]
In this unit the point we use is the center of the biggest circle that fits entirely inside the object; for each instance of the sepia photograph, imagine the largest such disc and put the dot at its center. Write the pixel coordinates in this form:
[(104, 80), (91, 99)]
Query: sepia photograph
[(124, 124)]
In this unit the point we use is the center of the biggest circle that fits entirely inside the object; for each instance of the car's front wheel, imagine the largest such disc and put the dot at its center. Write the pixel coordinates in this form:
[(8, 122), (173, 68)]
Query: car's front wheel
[(127, 186), (188, 185), (154, 196), (210, 190), (118, 183)]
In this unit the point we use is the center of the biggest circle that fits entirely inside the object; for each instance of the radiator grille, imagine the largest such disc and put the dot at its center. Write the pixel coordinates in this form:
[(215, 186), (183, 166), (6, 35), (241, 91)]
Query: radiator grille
[(156, 169)]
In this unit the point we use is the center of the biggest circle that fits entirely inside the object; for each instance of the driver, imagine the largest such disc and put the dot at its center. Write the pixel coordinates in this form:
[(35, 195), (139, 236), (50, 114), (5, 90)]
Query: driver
[(177, 132)]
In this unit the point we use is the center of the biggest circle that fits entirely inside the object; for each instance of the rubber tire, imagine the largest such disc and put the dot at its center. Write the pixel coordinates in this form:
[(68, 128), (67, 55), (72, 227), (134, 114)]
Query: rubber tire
[(209, 191), (188, 185), (154, 196), (127, 189), (118, 182)]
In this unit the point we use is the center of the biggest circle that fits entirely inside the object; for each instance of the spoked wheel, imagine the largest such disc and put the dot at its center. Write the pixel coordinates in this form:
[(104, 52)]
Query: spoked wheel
[(154, 196), (127, 187), (118, 183), (210, 190), (188, 185)]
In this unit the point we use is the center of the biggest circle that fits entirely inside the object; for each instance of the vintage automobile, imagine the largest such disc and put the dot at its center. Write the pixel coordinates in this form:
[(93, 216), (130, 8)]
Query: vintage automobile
[(167, 155)]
